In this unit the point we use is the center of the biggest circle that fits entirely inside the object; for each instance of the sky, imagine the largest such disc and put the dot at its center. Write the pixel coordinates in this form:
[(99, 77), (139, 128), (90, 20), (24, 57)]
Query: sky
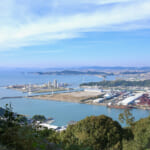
[(72, 33)]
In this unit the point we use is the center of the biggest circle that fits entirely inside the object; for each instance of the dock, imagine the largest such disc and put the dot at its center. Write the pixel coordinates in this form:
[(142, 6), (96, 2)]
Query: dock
[(12, 97)]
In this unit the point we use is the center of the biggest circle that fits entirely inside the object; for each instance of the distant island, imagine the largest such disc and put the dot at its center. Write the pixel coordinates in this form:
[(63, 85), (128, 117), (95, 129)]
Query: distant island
[(123, 73), (146, 68), (70, 72)]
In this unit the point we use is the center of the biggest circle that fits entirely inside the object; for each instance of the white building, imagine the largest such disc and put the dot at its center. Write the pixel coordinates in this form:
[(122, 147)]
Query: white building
[(99, 100), (53, 127), (93, 90), (49, 84), (55, 84), (130, 99), (108, 95), (45, 125)]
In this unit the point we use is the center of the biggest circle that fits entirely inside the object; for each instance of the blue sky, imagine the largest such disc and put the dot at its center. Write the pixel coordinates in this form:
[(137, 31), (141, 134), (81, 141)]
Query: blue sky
[(66, 33)]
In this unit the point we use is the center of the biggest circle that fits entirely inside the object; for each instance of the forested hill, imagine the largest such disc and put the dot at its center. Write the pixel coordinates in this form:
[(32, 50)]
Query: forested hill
[(145, 83), (71, 72)]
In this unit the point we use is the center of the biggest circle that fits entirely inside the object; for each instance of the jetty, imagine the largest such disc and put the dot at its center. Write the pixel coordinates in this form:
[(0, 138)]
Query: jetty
[(1, 98)]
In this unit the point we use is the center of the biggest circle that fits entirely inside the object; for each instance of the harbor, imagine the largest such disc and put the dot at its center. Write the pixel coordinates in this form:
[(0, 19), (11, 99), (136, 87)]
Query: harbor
[(112, 97), (64, 111), (40, 88), (79, 96)]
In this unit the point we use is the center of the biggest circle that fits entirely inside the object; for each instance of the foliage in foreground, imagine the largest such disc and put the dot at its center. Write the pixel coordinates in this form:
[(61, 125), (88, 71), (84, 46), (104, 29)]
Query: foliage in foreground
[(141, 132), (38, 118), (91, 133), (98, 133), (17, 136)]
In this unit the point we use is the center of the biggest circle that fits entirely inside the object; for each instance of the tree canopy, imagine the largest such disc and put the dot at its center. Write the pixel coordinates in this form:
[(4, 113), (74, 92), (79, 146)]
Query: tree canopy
[(39, 118), (145, 83), (91, 133), (96, 132)]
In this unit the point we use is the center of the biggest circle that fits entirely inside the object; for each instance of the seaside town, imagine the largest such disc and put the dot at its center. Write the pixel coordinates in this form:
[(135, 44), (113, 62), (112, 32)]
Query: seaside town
[(75, 75), (37, 88), (114, 94), (128, 90), (123, 98), (40, 122)]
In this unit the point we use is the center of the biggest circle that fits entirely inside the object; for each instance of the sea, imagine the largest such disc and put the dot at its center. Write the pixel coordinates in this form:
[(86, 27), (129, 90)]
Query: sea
[(62, 112)]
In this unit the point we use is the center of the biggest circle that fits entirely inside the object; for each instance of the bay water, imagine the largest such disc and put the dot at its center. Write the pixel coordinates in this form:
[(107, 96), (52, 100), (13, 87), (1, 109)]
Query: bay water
[(62, 112)]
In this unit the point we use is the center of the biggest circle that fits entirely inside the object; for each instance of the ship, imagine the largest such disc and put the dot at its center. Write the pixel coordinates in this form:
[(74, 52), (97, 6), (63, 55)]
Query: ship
[(120, 106)]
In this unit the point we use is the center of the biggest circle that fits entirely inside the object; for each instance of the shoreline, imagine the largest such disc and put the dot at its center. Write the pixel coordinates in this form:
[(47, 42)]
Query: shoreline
[(81, 101), (82, 97), (39, 91), (88, 103)]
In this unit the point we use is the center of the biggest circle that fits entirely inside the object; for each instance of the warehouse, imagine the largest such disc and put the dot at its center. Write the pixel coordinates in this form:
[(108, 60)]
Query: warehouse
[(130, 100)]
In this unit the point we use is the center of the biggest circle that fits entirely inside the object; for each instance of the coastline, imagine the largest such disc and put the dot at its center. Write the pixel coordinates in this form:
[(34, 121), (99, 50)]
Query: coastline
[(69, 101), (68, 97), (73, 97)]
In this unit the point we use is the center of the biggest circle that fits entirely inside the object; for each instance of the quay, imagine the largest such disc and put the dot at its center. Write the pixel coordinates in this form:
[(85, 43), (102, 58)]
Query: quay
[(12, 97)]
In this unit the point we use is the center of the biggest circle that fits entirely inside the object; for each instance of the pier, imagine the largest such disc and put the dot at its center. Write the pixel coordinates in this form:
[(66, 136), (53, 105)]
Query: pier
[(12, 97)]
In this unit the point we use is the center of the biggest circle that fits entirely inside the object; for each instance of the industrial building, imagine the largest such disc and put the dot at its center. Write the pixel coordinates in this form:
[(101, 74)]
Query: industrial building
[(49, 84), (130, 100), (55, 84), (99, 100)]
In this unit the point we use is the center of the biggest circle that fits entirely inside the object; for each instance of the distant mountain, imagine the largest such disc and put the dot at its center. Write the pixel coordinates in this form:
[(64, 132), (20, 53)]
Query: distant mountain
[(72, 72), (100, 68), (82, 68), (114, 68)]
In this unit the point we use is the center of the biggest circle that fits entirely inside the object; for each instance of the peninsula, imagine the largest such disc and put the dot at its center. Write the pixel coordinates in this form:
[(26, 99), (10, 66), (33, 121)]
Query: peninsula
[(78, 96), (72, 72), (41, 88)]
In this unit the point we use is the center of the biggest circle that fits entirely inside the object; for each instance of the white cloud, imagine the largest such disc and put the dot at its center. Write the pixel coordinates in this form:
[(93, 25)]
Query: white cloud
[(47, 52), (26, 23), (102, 2)]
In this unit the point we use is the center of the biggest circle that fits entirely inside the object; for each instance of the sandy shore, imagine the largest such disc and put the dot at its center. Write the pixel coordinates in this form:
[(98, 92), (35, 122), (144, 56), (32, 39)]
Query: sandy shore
[(85, 97), (79, 97)]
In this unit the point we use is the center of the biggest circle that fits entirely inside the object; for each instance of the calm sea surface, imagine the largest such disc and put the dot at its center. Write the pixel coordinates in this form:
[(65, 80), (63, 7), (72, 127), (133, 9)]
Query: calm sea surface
[(62, 112)]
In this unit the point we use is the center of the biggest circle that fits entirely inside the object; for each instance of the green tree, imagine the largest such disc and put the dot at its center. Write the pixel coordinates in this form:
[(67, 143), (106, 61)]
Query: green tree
[(141, 136), (97, 133), (3, 147), (21, 119), (39, 118), (141, 131), (9, 115), (126, 117)]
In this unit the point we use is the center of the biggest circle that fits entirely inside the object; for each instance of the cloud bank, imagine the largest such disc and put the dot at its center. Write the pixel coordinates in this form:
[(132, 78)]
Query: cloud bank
[(27, 23)]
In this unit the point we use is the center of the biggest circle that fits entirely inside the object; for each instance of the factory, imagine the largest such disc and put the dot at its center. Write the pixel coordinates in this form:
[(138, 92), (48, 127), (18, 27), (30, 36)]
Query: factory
[(130, 100)]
